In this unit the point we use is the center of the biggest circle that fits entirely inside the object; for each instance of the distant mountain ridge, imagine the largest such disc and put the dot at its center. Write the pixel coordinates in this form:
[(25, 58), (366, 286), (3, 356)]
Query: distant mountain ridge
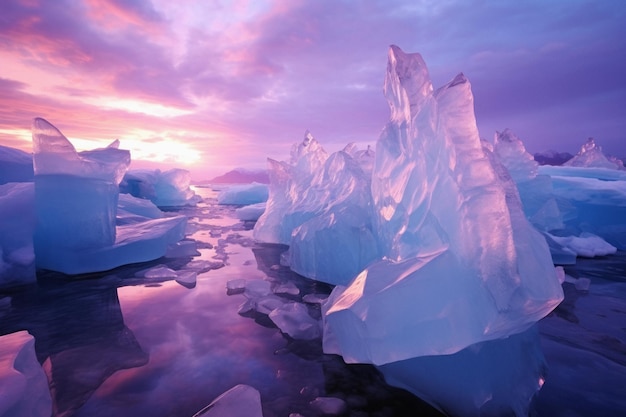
[(241, 176)]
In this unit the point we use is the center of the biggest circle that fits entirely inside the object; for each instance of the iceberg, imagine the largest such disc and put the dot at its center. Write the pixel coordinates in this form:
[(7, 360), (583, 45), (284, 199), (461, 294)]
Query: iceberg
[(244, 194), (76, 201), (462, 264), (23, 384), (17, 224), (169, 188)]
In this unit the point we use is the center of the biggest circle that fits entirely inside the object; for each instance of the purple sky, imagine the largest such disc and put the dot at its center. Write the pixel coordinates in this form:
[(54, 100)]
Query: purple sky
[(210, 85)]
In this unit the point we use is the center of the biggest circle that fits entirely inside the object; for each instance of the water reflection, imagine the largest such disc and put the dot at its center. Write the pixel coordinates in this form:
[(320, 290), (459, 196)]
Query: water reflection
[(80, 337)]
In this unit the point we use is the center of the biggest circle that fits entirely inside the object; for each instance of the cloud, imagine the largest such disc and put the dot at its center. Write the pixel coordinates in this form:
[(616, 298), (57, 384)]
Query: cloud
[(247, 78)]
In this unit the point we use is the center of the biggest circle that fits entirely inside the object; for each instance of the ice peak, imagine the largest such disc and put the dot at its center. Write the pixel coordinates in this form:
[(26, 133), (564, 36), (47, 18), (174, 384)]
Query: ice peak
[(47, 138), (591, 155), (407, 83)]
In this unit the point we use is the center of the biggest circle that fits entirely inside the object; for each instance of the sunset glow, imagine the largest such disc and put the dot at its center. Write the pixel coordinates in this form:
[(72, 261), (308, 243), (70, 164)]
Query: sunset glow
[(212, 86)]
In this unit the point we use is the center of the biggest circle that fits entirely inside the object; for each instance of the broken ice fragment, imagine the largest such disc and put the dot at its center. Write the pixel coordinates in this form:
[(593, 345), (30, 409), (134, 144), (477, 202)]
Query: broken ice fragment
[(294, 320), (239, 401), (23, 384)]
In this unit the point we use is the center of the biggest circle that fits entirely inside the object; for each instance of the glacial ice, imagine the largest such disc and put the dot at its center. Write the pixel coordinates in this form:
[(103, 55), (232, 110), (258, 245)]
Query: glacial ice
[(462, 264), (239, 401), (76, 203), (243, 194), (17, 224), (169, 188), (23, 384)]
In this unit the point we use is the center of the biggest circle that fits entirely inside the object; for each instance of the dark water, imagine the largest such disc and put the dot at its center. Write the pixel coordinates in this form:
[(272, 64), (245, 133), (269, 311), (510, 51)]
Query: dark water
[(116, 344)]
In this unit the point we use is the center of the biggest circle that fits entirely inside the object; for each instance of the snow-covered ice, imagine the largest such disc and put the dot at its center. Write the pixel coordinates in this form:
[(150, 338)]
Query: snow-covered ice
[(243, 194), (23, 384)]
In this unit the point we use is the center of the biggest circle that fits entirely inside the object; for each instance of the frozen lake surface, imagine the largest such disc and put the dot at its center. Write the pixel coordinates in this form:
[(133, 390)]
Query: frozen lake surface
[(118, 344)]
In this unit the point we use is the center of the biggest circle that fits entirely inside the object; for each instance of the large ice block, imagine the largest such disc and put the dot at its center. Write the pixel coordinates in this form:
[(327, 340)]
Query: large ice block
[(462, 264), (76, 202), (75, 193), (23, 384)]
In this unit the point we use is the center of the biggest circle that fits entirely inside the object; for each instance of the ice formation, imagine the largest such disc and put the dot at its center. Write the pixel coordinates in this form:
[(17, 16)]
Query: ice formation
[(76, 201), (536, 191), (294, 319), (243, 194), (315, 201), (591, 156), (169, 188), (15, 165), (17, 224), (239, 401), (23, 384), (592, 202), (463, 265), (587, 245), (251, 212), (493, 378)]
